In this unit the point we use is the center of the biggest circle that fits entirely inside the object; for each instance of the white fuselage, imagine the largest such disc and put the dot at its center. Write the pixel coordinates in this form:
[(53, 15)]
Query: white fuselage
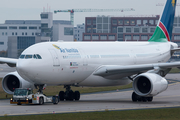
[(74, 62)]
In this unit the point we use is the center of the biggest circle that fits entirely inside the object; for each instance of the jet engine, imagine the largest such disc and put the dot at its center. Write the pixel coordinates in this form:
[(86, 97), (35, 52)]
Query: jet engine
[(149, 84), (14, 80)]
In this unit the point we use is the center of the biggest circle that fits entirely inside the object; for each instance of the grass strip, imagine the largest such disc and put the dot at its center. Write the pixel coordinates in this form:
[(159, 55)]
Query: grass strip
[(175, 70), (153, 114)]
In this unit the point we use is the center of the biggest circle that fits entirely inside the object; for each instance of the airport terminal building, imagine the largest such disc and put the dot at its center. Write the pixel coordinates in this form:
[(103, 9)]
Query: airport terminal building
[(135, 28), (78, 32), (17, 35)]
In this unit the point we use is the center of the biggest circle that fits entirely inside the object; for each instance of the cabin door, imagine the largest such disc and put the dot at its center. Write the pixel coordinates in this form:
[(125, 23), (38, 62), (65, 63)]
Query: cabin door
[(54, 58)]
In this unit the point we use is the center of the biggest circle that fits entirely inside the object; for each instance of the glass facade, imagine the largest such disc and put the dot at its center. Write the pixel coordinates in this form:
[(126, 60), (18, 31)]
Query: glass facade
[(32, 27), (68, 31), (151, 22), (126, 22), (120, 29), (88, 29), (136, 30), (95, 37), (138, 22), (145, 22), (44, 16), (94, 22), (144, 37), (127, 37), (12, 27), (120, 22), (3, 27), (111, 37), (144, 30), (99, 19), (128, 30), (23, 27), (88, 22), (44, 25), (124, 28), (176, 37), (114, 22), (24, 42), (87, 37), (103, 25), (152, 30), (136, 37), (114, 29), (103, 37), (132, 22), (94, 29)]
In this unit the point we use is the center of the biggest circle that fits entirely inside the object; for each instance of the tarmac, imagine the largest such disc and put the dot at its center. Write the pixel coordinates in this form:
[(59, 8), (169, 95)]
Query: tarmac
[(103, 101)]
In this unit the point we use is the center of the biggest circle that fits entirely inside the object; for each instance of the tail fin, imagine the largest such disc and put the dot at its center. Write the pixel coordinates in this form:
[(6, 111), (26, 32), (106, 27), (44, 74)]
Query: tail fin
[(164, 27)]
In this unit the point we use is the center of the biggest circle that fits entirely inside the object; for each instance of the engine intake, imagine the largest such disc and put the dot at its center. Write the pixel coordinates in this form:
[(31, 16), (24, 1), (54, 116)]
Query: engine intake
[(14, 80), (149, 84)]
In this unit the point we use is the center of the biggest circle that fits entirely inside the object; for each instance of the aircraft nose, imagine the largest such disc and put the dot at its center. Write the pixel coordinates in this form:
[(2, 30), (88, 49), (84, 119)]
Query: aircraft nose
[(22, 67)]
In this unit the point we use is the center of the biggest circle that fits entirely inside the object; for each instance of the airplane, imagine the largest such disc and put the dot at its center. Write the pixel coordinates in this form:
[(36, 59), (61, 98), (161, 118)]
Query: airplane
[(98, 64)]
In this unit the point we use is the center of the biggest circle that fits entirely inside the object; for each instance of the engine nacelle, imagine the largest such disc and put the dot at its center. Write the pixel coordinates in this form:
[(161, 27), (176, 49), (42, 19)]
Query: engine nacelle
[(14, 80), (149, 84)]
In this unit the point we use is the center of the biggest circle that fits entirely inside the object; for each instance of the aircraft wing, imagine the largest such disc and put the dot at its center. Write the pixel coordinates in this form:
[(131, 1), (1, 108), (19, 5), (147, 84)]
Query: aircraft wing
[(108, 70), (10, 61)]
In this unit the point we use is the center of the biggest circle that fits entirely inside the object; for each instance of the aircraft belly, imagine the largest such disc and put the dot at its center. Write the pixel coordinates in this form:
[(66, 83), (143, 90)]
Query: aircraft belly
[(98, 81)]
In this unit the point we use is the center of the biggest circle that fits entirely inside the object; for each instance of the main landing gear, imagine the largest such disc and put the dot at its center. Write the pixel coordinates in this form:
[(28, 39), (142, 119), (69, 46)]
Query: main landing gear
[(136, 98), (69, 94)]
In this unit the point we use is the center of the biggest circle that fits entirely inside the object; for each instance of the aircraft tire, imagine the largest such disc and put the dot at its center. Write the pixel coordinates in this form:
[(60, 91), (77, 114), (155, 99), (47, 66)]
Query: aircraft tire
[(61, 95), (149, 99), (134, 97), (144, 99), (70, 95), (76, 95)]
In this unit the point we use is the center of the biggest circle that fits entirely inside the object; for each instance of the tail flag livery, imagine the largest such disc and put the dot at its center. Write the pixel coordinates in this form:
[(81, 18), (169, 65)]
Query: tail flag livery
[(164, 27)]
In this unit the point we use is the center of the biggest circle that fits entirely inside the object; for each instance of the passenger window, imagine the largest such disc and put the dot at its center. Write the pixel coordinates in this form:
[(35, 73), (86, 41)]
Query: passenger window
[(28, 57), (39, 57), (22, 56), (35, 57)]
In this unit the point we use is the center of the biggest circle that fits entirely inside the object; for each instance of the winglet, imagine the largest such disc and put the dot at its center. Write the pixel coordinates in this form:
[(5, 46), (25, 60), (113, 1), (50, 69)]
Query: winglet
[(164, 27)]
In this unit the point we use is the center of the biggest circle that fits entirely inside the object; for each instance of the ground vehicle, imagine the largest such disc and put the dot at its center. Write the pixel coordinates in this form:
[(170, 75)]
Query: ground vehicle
[(26, 96)]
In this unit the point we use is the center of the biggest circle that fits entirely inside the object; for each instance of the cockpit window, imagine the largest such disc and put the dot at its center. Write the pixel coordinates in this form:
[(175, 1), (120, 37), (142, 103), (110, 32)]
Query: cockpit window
[(35, 57), (22, 56), (39, 57), (28, 57)]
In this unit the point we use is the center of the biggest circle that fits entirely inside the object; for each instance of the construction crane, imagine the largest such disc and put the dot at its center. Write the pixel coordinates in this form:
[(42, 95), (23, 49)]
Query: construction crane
[(162, 4), (91, 10)]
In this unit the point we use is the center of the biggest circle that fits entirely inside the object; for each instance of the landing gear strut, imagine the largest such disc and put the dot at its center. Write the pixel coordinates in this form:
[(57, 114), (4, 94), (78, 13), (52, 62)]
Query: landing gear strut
[(40, 88), (69, 94), (136, 98)]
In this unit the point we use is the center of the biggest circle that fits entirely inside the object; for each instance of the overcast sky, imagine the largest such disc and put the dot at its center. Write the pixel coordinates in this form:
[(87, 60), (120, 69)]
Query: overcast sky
[(31, 9)]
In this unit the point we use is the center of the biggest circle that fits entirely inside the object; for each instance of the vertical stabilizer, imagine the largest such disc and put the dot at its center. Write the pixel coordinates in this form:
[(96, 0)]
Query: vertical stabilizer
[(164, 27)]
